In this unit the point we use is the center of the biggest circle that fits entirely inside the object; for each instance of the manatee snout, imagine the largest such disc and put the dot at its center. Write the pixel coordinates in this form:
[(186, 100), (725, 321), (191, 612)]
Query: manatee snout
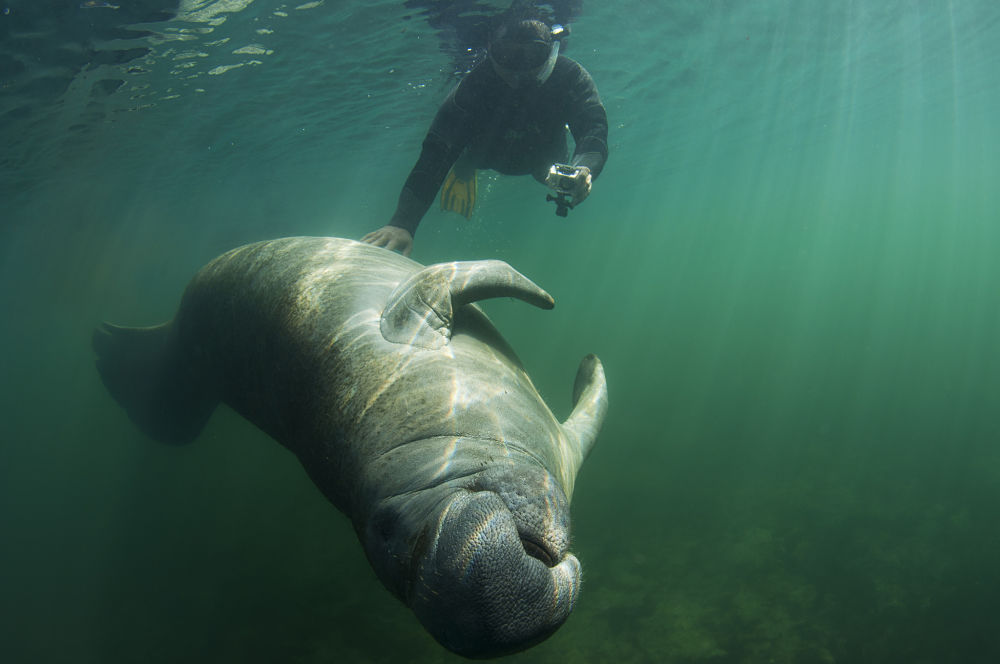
[(498, 577), (538, 505)]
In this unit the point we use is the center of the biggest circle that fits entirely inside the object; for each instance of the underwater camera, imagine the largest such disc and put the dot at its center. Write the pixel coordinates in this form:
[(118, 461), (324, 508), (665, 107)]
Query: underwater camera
[(562, 179)]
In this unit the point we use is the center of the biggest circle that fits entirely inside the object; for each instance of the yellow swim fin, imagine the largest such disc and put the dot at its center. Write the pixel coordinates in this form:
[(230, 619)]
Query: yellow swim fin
[(458, 195)]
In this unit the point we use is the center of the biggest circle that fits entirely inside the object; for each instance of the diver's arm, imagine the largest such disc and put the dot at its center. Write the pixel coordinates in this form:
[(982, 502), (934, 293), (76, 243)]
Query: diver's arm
[(415, 198), (588, 122), (419, 190), (444, 142)]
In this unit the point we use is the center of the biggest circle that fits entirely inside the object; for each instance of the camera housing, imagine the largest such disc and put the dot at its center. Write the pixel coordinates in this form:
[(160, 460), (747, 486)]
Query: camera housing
[(562, 178)]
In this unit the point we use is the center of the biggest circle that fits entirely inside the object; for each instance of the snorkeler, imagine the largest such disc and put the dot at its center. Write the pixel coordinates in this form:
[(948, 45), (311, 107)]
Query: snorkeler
[(509, 114)]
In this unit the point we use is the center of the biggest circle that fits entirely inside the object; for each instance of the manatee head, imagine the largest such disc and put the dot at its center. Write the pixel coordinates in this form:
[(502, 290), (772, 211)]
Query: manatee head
[(481, 560)]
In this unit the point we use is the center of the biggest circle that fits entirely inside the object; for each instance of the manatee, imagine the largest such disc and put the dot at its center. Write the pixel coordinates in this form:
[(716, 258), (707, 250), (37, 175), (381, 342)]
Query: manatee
[(405, 406)]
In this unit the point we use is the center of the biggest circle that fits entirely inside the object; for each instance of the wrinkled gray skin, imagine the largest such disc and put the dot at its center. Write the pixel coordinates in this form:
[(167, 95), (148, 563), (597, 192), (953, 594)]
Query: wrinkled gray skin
[(405, 406)]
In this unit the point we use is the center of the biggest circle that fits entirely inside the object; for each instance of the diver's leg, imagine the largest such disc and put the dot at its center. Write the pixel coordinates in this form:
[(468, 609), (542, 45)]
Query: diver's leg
[(467, 163), (458, 193)]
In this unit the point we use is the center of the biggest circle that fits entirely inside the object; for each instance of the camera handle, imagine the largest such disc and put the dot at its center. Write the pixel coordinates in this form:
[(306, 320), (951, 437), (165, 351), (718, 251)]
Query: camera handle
[(563, 204)]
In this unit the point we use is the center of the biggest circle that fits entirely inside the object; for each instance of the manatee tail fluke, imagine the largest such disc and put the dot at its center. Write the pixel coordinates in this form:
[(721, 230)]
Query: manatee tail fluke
[(160, 391)]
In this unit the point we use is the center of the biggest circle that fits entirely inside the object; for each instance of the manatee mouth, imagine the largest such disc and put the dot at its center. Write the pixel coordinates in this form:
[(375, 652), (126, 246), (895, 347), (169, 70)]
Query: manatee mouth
[(496, 576), (537, 506), (536, 550)]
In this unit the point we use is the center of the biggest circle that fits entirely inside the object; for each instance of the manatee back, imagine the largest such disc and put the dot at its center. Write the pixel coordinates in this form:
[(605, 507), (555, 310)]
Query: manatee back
[(239, 336), (262, 321)]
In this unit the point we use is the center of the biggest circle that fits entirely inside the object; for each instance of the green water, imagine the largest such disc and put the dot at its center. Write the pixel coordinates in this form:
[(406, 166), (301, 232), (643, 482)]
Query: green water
[(787, 269)]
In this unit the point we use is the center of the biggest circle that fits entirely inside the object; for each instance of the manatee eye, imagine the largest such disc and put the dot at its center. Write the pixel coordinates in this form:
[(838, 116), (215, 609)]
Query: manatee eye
[(536, 551)]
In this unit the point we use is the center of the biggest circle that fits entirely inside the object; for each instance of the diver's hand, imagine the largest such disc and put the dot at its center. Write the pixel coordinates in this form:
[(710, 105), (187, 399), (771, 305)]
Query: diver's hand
[(392, 238), (584, 182), (572, 181)]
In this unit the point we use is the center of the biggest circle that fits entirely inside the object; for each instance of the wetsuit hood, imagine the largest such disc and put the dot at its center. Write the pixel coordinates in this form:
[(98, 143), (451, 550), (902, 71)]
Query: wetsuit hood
[(524, 54)]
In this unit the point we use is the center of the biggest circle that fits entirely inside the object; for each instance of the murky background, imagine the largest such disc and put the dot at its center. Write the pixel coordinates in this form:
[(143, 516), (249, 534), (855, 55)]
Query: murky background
[(789, 268)]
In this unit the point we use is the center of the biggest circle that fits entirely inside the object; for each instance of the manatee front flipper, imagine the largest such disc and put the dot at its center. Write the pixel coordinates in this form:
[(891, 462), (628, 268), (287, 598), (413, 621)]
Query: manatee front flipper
[(421, 310), (161, 391), (590, 404)]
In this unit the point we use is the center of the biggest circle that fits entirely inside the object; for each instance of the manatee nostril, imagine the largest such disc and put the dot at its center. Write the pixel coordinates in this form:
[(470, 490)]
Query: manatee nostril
[(535, 550)]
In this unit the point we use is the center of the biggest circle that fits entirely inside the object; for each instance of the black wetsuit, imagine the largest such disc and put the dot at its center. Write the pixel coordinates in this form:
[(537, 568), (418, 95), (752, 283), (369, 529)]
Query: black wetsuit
[(515, 131)]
